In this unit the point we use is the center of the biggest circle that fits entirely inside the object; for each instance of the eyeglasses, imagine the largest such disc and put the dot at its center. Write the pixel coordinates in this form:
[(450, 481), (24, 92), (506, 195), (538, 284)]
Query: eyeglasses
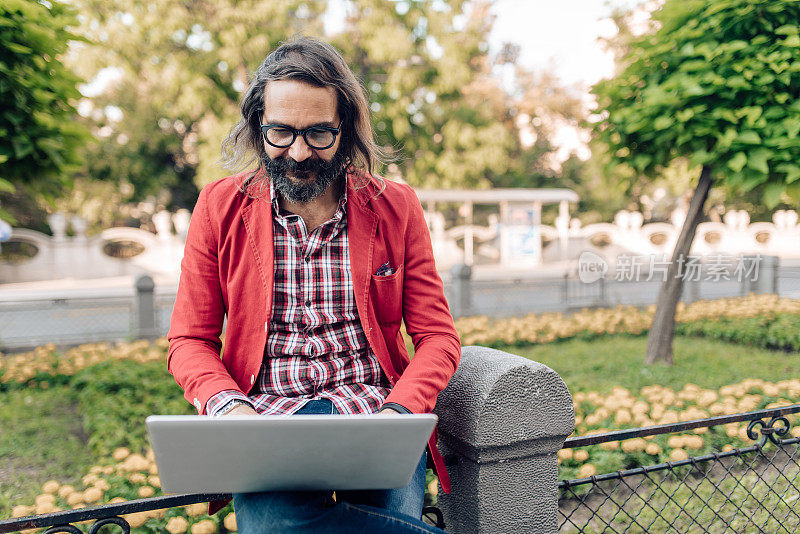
[(317, 137)]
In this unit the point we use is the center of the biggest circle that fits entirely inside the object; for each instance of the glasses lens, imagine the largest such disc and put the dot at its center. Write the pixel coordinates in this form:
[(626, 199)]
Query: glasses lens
[(319, 138), (280, 137)]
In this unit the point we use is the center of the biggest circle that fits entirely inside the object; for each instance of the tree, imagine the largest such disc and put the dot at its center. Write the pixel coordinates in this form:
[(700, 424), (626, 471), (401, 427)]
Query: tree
[(39, 138), (427, 69), (718, 83), (181, 69)]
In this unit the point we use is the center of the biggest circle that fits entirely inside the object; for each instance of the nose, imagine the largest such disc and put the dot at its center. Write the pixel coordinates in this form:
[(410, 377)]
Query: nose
[(299, 150)]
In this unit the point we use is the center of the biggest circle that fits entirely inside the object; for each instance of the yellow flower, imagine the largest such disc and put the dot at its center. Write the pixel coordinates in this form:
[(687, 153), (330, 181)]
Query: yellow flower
[(146, 491), (194, 510), (65, 491), (676, 455), (206, 526), (51, 486), (587, 470), (22, 510), (565, 454), (45, 498), (121, 453), (92, 495), (652, 449), (177, 525), (580, 455), (137, 519), (230, 522), (75, 498), (633, 445)]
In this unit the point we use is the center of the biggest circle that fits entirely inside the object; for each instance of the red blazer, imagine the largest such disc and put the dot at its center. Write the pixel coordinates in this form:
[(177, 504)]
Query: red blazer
[(227, 268)]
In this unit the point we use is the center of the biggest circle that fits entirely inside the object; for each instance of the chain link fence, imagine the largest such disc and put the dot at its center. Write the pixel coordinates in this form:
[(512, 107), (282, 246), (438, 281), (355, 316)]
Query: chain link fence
[(750, 489)]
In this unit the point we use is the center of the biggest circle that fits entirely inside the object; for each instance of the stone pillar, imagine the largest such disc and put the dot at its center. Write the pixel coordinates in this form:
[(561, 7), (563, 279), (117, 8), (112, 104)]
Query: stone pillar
[(502, 419)]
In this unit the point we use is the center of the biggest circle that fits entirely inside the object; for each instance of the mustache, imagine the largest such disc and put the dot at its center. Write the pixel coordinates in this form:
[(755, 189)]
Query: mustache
[(307, 166)]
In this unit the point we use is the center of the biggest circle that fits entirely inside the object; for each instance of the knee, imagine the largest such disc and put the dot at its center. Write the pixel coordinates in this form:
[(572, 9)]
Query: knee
[(276, 512)]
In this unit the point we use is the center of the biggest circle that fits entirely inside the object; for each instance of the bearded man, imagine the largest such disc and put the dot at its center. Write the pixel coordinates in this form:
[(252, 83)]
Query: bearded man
[(315, 262)]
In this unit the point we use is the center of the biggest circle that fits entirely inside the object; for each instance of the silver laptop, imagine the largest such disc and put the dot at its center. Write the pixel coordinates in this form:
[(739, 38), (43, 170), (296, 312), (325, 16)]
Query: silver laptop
[(201, 454)]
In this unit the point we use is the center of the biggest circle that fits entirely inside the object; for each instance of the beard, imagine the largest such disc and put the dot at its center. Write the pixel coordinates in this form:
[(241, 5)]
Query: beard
[(303, 181)]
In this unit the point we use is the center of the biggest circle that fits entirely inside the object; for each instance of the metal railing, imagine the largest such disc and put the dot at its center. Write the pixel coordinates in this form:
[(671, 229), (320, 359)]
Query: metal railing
[(112, 514), (106, 514), (749, 489)]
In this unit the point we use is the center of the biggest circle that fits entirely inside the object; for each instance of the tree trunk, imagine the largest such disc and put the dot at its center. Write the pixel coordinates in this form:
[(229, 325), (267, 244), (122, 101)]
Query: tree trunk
[(659, 340)]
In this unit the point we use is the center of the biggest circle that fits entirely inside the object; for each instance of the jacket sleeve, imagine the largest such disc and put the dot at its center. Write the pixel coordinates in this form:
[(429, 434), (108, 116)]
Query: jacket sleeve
[(197, 318), (437, 348)]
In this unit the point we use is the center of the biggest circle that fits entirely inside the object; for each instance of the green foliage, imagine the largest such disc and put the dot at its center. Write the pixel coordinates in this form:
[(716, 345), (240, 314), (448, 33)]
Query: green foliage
[(718, 83), (115, 397), (426, 67), (181, 68), (39, 138), (776, 332)]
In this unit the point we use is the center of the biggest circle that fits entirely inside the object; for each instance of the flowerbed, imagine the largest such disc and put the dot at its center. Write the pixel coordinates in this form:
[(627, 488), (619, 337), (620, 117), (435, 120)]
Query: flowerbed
[(713, 318), (597, 413), (128, 476)]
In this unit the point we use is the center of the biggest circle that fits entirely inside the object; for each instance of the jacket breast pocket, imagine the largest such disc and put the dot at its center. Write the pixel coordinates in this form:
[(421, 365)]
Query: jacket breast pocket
[(386, 293)]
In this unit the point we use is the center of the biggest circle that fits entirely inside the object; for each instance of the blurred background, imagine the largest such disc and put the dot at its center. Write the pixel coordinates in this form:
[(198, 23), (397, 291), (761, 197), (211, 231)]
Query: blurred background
[(120, 109)]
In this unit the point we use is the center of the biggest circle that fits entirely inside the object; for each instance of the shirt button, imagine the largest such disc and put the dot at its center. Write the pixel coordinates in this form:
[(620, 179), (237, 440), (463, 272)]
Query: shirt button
[(197, 405), (307, 259), (252, 379), (308, 304)]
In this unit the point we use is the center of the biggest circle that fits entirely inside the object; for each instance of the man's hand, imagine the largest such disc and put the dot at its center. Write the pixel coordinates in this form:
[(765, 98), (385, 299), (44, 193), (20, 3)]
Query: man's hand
[(242, 409), (388, 411)]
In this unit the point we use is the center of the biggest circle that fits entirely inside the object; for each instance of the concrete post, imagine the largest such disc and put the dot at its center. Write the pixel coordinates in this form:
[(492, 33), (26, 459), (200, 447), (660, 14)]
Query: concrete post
[(145, 308), (765, 279), (461, 276), (502, 419)]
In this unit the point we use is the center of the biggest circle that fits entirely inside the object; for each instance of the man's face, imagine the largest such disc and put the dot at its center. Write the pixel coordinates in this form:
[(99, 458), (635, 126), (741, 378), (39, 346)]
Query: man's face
[(300, 172)]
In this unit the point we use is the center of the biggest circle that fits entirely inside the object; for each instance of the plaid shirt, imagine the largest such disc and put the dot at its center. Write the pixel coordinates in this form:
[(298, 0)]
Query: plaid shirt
[(316, 347)]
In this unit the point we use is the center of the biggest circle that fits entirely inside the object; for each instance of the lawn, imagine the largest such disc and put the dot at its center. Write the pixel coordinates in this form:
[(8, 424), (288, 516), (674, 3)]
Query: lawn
[(600, 364), (42, 438)]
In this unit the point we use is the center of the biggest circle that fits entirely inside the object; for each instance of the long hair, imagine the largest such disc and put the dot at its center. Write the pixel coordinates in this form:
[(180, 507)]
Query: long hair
[(317, 63)]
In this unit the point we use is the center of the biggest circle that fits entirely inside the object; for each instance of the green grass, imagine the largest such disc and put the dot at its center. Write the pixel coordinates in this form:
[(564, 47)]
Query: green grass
[(41, 438), (619, 360), (60, 432)]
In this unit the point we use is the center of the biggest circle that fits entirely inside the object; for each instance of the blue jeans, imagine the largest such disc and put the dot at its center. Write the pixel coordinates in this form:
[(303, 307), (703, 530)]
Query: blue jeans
[(353, 512)]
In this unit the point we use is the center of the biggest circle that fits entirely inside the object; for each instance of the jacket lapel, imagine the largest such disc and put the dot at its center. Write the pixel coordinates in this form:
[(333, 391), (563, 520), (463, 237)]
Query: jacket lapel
[(257, 217), (362, 226)]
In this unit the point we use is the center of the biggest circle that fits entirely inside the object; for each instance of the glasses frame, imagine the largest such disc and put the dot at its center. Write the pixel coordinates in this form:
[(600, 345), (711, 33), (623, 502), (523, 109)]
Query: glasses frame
[(303, 131)]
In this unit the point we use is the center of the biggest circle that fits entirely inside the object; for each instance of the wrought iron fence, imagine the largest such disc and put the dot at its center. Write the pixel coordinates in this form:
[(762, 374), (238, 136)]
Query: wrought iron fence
[(115, 514), (104, 515), (749, 489)]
